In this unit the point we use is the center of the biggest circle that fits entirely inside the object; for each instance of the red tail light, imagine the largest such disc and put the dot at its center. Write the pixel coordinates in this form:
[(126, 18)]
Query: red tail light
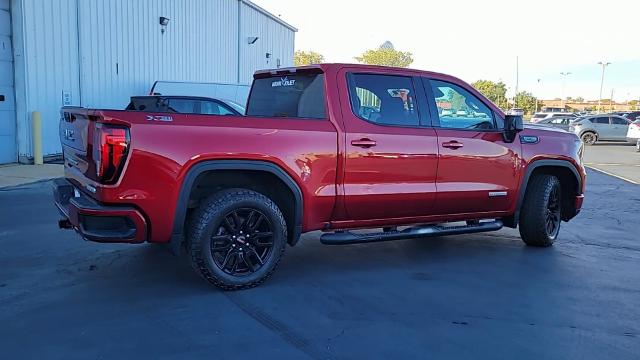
[(110, 148), (635, 124)]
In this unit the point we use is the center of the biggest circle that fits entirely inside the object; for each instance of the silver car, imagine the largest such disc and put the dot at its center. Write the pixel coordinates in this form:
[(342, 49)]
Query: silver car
[(561, 122), (600, 127)]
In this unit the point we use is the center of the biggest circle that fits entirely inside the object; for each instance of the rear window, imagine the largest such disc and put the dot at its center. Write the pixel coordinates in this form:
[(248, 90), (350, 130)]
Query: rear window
[(291, 96)]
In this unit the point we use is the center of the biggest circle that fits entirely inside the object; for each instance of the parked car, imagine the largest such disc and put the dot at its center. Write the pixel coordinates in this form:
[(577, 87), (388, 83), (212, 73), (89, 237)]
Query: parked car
[(185, 105), (235, 190), (600, 127), (631, 115), (561, 122), (633, 134), (539, 116), (234, 92)]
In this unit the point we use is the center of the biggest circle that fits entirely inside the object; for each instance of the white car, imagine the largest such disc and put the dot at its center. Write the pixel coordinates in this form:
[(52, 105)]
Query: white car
[(539, 116), (633, 134)]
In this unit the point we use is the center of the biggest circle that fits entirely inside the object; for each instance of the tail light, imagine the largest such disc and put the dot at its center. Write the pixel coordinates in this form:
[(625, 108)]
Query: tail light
[(110, 148), (635, 124)]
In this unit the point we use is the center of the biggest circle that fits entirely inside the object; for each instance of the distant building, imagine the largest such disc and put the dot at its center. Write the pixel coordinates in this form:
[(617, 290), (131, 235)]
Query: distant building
[(558, 105)]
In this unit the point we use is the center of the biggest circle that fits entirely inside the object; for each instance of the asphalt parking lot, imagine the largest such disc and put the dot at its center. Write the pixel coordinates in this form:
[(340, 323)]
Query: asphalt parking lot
[(615, 158), (459, 297)]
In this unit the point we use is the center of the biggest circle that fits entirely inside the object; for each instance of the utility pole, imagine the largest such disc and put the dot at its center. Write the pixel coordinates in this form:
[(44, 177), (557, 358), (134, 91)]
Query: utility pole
[(564, 80), (611, 101), (604, 65)]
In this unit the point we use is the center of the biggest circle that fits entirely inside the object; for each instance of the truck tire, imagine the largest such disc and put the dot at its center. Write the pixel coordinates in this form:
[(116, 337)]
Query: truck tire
[(540, 215), (236, 238)]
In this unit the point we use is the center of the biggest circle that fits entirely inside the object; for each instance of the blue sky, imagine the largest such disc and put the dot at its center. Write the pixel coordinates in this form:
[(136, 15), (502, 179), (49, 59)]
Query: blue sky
[(480, 39)]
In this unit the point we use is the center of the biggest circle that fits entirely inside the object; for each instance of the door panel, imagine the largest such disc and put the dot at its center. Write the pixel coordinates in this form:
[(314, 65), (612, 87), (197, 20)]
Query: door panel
[(477, 170), (619, 128), (390, 171), (482, 175)]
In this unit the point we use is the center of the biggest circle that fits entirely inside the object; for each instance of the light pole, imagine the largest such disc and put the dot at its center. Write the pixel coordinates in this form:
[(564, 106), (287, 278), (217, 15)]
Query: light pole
[(604, 65), (538, 95), (564, 80)]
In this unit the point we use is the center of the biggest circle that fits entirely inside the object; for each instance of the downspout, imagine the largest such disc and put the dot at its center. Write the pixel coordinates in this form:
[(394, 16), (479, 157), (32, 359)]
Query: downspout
[(239, 40)]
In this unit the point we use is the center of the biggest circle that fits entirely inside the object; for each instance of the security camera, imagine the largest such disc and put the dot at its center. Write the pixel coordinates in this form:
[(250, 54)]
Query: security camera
[(164, 21)]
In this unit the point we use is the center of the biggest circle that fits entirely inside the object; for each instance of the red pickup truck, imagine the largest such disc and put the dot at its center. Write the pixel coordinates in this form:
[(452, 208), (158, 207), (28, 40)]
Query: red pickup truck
[(330, 147)]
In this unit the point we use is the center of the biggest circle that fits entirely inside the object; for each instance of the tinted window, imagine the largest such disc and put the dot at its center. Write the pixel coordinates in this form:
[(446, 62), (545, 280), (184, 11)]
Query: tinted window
[(618, 121), (459, 109), (291, 96), (600, 120), (561, 121), (383, 99), (182, 106), (213, 108)]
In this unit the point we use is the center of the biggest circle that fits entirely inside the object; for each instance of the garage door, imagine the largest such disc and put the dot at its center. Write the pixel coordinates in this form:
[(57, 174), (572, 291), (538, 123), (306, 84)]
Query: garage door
[(7, 103)]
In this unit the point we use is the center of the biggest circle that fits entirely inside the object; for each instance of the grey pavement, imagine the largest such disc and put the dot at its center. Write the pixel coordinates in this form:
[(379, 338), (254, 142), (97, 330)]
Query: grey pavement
[(615, 158), (458, 297)]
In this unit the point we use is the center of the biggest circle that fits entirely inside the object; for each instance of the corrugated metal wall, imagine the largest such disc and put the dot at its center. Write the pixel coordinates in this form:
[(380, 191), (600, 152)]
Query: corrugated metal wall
[(274, 39), (101, 52), (46, 60), (7, 103)]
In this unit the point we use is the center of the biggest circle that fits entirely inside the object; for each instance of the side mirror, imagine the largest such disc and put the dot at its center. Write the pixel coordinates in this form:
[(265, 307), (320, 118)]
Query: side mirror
[(513, 124)]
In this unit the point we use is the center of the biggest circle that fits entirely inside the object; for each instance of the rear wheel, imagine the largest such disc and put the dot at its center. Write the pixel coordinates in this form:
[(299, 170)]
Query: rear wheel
[(540, 215), (236, 239), (589, 138)]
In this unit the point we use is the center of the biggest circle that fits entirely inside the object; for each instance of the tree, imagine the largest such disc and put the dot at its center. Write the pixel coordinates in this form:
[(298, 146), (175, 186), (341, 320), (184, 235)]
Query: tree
[(496, 92), (307, 57), (526, 101), (386, 55), (579, 99)]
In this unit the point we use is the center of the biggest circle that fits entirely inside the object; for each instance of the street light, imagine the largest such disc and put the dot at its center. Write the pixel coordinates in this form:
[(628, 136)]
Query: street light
[(604, 65), (564, 80)]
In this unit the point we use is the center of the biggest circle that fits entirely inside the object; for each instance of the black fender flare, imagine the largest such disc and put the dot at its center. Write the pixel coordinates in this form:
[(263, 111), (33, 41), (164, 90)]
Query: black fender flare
[(525, 181), (177, 234)]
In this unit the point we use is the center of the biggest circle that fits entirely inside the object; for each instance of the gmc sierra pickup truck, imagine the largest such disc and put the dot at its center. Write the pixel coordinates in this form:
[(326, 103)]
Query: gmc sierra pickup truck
[(331, 147)]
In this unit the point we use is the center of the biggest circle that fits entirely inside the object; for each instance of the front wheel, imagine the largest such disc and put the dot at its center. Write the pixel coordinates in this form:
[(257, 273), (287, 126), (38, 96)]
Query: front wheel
[(236, 239), (541, 211)]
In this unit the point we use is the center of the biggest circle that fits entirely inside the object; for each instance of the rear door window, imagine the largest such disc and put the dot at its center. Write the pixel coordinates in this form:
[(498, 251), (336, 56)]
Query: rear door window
[(290, 96), (619, 121), (383, 99), (600, 120), (182, 106), (213, 108)]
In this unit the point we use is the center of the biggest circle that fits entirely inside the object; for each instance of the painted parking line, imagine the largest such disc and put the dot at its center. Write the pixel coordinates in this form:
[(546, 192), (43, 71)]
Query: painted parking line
[(609, 164), (612, 174)]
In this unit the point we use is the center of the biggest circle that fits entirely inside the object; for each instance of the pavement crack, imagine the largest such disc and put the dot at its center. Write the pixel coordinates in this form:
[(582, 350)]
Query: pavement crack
[(282, 330)]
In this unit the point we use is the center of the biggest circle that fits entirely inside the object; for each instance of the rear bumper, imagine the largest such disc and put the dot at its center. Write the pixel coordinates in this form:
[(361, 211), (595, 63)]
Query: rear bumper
[(97, 222)]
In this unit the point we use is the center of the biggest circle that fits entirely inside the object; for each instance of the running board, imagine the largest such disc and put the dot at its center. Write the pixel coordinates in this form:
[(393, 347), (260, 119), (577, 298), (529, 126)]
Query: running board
[(346, 237)]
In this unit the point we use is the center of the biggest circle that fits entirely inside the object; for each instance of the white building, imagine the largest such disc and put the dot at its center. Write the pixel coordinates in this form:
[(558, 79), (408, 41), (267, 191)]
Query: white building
[(98, 53)]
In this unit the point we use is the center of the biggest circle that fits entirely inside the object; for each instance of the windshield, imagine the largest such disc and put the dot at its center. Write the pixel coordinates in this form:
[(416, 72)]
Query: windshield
[(291, 96)]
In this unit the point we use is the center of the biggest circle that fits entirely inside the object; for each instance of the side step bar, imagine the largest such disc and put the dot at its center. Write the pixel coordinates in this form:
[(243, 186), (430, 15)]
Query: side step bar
[(346, 237)]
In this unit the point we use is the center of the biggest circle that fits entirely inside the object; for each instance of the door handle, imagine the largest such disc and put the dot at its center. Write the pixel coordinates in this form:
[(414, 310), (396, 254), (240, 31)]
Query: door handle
[(453, 145), (364, 143)]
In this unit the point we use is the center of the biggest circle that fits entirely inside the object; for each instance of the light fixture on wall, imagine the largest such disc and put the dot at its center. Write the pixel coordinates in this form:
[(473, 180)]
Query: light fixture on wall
[(164, 21), (252, 40)]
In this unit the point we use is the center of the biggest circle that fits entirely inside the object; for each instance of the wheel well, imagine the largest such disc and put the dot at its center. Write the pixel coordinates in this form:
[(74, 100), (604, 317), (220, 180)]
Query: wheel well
[(264, 182), (569, 186)]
